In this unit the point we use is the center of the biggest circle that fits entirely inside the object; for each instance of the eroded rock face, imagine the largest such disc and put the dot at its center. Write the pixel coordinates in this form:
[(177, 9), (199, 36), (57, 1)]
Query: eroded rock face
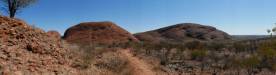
[(98, 33), (183, 32), (30, 51)]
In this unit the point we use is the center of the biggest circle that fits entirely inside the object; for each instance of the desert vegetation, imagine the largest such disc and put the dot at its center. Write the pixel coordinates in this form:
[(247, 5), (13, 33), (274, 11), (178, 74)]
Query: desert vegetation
[(236, 57), (99, 60)]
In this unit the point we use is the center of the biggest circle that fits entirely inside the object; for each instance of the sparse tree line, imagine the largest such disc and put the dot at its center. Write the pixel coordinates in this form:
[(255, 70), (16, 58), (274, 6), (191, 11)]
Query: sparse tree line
[(12, 7)]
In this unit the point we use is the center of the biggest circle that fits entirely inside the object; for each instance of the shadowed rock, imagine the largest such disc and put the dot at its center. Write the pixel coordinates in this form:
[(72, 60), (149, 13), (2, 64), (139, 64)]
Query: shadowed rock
[(183, 32)]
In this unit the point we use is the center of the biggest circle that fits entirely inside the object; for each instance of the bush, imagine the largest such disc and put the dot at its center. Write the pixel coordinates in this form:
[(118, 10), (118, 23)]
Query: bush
[(240, 47), (251, 62), (113, 63), (267, 53), (273, 67), (85, 55), (216, 46), (194, 45), (198, 54), (267, 50)]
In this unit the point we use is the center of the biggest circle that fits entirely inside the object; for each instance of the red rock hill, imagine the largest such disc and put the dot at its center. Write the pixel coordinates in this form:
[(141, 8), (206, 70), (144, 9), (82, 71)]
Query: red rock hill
[(183, 32), (98, 33)]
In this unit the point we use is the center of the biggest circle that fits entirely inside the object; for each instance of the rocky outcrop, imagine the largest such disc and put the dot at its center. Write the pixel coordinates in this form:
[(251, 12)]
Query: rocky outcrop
[(54, 34), (98, 33), (25, 50), (183, 32)]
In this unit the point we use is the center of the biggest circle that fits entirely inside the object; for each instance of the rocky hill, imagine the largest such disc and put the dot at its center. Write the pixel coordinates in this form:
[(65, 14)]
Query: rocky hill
[(54, 34), (183, 32), (26, 50), (98, 33)]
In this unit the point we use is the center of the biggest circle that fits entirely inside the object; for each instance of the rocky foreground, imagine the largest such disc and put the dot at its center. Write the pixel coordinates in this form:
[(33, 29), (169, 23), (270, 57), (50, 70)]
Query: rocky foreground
[(27, 50)]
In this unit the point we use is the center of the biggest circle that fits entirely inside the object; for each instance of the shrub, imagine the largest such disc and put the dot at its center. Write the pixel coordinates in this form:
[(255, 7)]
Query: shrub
[(267, 50), (267, 53), (85, 54), (194, 45), (273, 67), (251, 62), (216, 46), (198, 54), (239, 47), (112, 63)]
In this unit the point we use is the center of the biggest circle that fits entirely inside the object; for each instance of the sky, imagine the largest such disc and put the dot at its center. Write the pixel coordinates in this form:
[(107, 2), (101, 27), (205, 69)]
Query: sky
[(236, 17)]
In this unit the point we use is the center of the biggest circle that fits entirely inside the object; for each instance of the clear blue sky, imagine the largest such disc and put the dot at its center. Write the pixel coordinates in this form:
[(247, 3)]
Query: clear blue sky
[(237, 17)]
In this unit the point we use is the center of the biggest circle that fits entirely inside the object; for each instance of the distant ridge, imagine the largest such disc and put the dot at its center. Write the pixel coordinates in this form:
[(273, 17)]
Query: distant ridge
[(183, 32)]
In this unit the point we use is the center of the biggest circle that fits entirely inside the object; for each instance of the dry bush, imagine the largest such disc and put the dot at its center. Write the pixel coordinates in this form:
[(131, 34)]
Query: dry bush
[(267, 53), (85, 54), (251, 62), (114, 62), (98, 60)]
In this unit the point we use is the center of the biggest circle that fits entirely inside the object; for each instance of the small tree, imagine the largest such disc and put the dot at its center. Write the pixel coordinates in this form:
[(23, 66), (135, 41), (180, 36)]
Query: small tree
[(269, 32), (272, 31), (13, 6)]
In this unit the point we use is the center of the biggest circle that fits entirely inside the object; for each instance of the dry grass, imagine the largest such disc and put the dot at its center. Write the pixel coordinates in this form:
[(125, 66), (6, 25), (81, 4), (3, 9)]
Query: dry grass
[(98, 60)]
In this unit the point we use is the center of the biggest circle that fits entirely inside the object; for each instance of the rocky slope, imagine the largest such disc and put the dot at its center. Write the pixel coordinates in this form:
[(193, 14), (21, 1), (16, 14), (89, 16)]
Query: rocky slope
[(98, 33), (54, 34), (183, 32), (26, 50)]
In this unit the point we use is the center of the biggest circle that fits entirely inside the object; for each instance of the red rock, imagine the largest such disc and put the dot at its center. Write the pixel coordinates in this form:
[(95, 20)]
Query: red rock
[(22, 47), (98, 33), (180, 33)]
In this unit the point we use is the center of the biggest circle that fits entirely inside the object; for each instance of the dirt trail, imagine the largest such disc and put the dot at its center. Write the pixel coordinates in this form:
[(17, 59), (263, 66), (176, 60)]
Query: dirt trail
[(139, 66)]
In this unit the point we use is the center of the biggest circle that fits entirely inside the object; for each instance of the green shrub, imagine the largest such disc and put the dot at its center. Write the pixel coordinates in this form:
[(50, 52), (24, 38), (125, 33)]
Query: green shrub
[(251, 62), (267, 53), (194, 45), (267, 50), (216, 46), (240, 47), (198, 54)]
